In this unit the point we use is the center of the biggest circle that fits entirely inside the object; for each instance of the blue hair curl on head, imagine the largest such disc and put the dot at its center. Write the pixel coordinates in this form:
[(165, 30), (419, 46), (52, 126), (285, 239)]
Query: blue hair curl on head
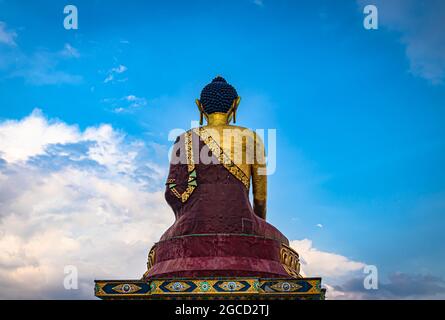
[(218, 96)]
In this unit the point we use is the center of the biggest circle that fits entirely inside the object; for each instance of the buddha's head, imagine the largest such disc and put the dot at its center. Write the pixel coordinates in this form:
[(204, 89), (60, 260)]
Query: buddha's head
[(218, 97)]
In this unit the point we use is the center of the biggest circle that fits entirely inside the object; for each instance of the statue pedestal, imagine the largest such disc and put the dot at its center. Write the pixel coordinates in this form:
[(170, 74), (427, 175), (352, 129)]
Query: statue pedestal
[(211, 288), (243, 267)]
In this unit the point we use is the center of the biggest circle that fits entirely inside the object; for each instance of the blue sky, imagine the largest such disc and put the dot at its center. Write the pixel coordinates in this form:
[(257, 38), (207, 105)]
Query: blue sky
[(359, 113)]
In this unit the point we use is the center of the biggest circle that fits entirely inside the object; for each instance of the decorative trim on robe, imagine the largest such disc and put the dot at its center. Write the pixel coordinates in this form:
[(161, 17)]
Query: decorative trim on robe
[(222, 157), (191, 183)]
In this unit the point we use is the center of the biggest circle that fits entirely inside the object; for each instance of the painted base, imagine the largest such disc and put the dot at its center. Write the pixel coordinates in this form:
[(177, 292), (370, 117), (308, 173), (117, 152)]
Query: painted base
[(212, 289)]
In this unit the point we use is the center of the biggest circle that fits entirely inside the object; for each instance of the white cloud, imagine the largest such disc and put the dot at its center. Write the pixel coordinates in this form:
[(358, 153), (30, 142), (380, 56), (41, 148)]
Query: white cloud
[(420, 24), (72, 197), (42, 67), (344, 278), (70, 52), (259, 3), (7, 37), (135, 102), (35, 138), (34, 135), (112, 73), (334, 268), (127, 104), (321, 263), (397, 286), (22, 139)]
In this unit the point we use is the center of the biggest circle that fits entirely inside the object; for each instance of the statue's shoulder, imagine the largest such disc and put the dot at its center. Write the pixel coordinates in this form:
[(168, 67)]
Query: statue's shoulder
[(247, 132), (241, 130), (225, 130), (220, 128)]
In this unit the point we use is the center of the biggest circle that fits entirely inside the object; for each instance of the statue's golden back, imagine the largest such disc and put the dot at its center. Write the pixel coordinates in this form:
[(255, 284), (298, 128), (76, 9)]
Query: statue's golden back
[(244, 147)]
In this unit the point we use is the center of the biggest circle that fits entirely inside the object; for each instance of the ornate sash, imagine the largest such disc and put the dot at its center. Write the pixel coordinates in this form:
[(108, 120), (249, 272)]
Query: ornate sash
[(222, 157), (217, 151), (191, 183)]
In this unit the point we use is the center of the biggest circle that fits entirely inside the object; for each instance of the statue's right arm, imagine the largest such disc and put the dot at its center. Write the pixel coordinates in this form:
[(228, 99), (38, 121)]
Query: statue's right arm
[(259, 179)]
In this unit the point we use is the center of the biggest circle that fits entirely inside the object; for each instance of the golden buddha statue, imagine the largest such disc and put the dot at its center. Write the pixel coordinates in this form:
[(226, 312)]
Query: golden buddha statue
[(217, 231)]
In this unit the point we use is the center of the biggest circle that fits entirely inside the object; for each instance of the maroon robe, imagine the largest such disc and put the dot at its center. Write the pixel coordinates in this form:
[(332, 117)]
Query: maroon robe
[(216, 232)]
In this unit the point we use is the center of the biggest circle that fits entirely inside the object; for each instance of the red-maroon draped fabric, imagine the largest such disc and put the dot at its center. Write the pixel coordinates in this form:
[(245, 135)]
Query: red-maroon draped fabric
[(216, 232)]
